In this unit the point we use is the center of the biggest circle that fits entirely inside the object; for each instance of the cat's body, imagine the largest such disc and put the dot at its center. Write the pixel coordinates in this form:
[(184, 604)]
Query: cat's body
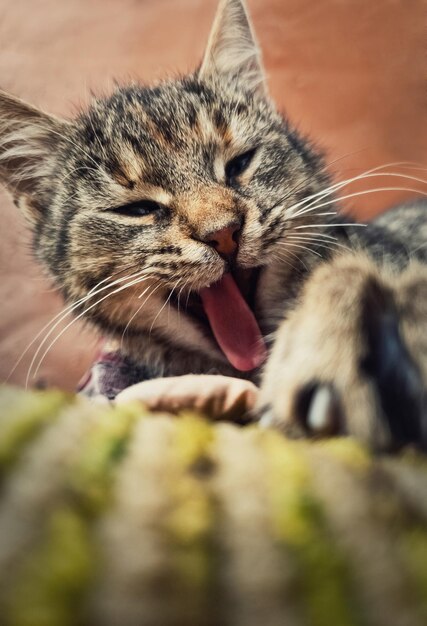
[(178, 217)]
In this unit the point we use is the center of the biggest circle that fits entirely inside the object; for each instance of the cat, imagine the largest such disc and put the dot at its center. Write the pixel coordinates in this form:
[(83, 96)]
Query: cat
[(193, 226)]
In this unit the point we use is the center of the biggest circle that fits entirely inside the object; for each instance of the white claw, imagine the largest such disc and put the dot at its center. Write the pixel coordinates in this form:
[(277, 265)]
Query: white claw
[(266, 420), (320, 413)]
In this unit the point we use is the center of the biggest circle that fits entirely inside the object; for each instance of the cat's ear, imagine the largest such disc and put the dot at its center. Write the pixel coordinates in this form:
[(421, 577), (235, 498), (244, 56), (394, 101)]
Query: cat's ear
[(232, 47), (28, 140)]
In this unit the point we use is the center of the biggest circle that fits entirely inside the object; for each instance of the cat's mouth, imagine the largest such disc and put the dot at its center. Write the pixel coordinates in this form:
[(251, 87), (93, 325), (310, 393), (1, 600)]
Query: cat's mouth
[(225, 309)]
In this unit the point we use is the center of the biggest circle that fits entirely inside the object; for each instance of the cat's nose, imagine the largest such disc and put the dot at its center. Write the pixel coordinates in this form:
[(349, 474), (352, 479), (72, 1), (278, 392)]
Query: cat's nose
[(225, 241)]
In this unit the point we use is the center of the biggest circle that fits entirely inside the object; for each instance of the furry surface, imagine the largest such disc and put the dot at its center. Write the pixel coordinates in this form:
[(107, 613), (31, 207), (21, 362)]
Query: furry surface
[(115, 516)]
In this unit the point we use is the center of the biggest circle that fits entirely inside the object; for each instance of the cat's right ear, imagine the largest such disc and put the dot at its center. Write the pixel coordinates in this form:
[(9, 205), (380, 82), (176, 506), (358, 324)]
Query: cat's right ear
[(28, 141), (232, 48)]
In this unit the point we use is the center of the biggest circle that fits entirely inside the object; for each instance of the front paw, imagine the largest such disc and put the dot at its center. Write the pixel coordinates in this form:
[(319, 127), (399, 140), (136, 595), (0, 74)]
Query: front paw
[(216, 397), (340, 365)]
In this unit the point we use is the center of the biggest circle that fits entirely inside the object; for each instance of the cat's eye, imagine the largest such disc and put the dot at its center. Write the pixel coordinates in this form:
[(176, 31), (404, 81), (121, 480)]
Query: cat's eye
[(140, 208), (235, 167)]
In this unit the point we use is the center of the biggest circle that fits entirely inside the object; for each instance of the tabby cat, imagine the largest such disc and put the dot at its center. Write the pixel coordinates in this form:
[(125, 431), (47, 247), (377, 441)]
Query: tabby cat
[(197, 230)]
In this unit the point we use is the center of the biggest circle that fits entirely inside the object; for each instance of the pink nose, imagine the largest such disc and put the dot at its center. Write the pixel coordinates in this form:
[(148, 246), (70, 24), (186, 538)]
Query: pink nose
[(225, 240)]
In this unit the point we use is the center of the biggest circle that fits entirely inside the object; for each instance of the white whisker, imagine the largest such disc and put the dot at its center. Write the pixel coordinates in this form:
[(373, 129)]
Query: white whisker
[(133, 282), (285, 259), (295, 245), (320, 242), (327, 225), (363, 193), (374, 172), (155, 287), (66, 311), (166, 302), (179, 296)]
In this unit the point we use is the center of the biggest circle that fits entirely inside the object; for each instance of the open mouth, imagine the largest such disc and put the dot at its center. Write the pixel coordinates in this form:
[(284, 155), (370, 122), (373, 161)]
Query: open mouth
[(226, 309)]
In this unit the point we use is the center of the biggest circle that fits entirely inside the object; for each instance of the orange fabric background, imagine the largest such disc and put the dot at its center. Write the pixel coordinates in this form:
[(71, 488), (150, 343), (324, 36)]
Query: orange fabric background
[(352, 74)]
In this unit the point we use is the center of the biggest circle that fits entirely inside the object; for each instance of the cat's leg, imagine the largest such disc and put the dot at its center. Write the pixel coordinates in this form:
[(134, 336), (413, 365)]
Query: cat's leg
[(352, 356)]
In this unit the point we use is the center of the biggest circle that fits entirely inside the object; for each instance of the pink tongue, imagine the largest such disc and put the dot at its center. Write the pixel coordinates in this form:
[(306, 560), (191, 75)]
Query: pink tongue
[(233, 324)]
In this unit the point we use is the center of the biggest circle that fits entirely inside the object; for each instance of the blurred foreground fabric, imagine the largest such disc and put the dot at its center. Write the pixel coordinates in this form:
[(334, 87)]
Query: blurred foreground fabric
[(350, 74), (118, 516)]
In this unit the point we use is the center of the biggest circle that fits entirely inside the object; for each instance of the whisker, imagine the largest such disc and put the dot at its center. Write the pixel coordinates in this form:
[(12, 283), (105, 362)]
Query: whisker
[(318, 245), (328, 225), (133, 282), (363, 176), (319, 235), (186, 301), (285, 259), (166, 302), (66, 311), (334, 187), (319, 242), (179, 296), (363, 193), (139, 309), (295, 245)]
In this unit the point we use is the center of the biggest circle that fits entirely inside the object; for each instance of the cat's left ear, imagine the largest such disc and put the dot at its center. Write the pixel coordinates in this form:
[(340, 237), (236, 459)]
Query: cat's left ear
[(233, 49), (28, 143)]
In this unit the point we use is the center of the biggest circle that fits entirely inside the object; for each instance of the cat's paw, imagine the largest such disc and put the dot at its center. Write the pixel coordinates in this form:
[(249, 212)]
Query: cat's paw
[(341, 365), (216, 397)]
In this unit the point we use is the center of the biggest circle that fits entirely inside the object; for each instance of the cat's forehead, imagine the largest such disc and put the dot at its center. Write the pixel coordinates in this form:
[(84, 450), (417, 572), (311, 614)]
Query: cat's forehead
[(170, 133), (179, 101), (172, 116)]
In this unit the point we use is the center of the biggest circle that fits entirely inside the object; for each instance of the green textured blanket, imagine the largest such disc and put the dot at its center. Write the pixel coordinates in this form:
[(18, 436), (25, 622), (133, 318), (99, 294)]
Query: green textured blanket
[(112, 516)]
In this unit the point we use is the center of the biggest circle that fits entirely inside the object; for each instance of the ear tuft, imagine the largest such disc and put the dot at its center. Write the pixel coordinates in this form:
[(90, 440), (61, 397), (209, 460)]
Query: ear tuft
[(233, 49), (28, 139)]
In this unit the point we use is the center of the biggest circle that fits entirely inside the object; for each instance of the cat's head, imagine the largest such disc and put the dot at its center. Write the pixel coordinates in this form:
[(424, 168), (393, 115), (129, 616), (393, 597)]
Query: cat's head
[(171, 185)]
